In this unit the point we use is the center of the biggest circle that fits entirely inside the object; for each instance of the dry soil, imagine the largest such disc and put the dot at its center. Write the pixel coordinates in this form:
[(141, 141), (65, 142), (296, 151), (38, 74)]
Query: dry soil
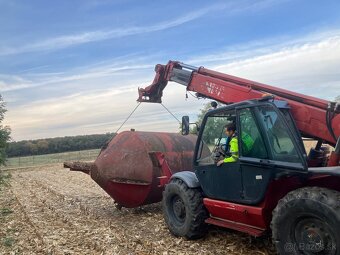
[(51, 210)]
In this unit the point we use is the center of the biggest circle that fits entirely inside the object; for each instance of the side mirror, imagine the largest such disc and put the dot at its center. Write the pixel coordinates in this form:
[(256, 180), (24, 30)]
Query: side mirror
[(185, 125)]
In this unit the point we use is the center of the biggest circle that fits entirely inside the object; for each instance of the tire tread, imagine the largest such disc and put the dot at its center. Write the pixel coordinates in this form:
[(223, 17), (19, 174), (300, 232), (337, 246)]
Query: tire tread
[(197, 211)]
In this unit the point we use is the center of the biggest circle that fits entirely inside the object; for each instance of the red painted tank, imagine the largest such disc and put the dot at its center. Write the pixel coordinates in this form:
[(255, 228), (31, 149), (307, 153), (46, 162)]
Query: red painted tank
[(132, 168)]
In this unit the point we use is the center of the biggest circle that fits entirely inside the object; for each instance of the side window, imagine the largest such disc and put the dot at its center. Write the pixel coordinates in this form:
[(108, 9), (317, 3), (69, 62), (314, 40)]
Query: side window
[(251, 140), (283, 148), (213, 135)]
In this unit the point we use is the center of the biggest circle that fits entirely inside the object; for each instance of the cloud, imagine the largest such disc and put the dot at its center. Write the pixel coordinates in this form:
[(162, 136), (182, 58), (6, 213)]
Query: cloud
[(308, 65), (65, 41), (13, 82), (308, 68), (16, 82), (95, 112), (233, 53), (100, 35)]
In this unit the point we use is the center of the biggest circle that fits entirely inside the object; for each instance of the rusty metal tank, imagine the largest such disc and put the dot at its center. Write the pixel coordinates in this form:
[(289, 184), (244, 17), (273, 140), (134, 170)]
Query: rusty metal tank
[(131, 167)]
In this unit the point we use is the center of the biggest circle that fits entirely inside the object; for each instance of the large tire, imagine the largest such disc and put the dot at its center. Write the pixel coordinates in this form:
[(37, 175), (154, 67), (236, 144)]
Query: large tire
[(307, 221), (183, 210)]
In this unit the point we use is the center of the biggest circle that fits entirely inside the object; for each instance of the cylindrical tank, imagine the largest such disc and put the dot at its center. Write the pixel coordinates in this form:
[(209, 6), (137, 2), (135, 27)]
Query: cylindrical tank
[(126, 170)]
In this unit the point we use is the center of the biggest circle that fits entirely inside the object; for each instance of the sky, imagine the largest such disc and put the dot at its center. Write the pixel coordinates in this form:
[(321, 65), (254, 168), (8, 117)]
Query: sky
[(74, 67)]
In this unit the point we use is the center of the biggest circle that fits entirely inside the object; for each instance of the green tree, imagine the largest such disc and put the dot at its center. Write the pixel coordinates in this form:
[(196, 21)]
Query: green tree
[(42, 146), (337, 99), (213, 126), (31, 147), (204, 110), (200, 116), (58, 144), (4, 133)]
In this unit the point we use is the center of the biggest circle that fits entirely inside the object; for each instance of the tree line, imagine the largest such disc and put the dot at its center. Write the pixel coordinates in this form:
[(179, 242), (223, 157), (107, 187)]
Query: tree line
[(57, 145), (5, 132)]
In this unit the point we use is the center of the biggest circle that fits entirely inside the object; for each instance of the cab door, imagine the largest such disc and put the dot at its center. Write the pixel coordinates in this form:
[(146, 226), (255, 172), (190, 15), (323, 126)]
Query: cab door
[(218, 182), (274, 150), (254, 157)]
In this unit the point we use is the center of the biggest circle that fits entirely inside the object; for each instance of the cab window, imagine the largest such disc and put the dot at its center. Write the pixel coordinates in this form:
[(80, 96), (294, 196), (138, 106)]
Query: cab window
[(252, 144), (281, 143), (213, 136)]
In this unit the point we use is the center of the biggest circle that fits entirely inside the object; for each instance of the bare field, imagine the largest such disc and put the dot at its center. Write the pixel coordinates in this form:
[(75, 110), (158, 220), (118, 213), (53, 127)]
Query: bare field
[(51, 210)]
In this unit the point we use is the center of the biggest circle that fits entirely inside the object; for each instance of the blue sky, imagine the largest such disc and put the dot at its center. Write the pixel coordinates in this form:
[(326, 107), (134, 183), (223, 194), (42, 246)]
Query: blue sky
[(73, 67)]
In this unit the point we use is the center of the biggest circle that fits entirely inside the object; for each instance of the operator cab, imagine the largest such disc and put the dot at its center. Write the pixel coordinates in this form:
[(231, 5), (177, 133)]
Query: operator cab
[(275, 149)]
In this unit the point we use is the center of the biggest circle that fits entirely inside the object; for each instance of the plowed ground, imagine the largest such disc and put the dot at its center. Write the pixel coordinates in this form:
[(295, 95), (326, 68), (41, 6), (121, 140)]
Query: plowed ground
[(51, 210)]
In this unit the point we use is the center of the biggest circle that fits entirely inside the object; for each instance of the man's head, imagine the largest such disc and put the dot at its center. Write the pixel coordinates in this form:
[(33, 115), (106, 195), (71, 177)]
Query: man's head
[(230, 129)]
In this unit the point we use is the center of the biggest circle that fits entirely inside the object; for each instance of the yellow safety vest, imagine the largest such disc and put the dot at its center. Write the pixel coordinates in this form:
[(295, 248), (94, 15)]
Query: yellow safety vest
[(233, 150)]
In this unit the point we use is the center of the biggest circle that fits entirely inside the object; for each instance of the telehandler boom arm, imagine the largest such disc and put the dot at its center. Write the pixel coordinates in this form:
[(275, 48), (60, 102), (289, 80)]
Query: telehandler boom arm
[(314, 117)]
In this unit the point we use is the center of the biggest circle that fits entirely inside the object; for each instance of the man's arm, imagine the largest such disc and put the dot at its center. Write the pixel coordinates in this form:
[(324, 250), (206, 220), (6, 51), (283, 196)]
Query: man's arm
[(233, 151)]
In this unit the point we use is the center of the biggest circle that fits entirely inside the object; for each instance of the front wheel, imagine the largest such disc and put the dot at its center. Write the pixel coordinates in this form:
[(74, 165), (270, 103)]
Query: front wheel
[(183, 210), (307, 221)]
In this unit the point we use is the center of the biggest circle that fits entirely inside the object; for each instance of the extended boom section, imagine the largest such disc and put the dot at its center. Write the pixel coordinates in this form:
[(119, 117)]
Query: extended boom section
[(315, 118)]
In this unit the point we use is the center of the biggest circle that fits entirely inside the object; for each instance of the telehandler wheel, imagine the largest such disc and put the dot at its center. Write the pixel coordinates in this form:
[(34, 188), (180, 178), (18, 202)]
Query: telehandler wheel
[(307, 221), (183, 210)]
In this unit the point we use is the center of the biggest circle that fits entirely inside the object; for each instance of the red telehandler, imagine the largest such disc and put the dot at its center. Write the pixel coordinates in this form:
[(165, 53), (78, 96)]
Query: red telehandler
[(274, 187)]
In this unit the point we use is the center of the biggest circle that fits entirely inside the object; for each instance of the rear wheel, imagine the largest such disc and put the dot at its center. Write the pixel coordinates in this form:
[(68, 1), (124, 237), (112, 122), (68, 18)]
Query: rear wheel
[(307, 221), (183, 210)]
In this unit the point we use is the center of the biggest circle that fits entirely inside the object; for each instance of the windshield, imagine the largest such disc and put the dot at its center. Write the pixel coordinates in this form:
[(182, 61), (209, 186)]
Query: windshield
[(283, 148)]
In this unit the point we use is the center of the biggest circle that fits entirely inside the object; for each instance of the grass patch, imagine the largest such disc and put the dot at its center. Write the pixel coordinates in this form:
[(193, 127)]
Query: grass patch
[(8, 241), (5, 211), (4, 178), (85, 155)]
